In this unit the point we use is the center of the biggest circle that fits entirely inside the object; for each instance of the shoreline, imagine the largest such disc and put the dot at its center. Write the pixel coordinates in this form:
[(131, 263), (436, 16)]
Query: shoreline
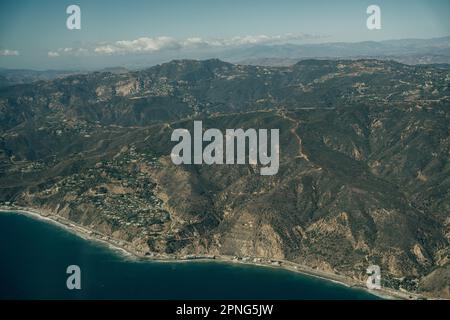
[(124, 248)]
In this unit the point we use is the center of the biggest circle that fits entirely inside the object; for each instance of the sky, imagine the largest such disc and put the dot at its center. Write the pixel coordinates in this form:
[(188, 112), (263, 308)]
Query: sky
[(33, 34)]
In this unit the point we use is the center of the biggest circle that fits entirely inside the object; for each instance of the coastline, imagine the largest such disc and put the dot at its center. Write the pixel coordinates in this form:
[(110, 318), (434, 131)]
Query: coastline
[(125, 249)]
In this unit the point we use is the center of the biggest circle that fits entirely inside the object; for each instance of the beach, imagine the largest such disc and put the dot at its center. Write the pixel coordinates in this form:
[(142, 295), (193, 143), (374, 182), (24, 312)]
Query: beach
[(125, 249)]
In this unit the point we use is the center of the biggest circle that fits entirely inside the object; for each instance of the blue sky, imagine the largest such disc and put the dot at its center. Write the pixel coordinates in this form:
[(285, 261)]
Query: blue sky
[(33, 34)]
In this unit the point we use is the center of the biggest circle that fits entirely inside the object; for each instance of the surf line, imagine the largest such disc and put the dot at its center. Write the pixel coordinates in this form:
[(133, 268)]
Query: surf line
[(235, 144)]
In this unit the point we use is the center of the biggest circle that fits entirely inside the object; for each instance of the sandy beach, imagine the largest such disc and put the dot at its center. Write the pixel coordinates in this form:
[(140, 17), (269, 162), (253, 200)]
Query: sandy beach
[(125, 249)]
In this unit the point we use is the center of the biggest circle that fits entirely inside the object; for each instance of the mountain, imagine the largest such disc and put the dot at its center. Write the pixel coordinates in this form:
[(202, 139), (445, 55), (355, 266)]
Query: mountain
[(409, 51), (20, 76), (364, 174)]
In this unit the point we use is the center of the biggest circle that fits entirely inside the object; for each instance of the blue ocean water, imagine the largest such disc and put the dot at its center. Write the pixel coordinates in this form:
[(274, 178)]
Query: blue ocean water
[(35, 255)]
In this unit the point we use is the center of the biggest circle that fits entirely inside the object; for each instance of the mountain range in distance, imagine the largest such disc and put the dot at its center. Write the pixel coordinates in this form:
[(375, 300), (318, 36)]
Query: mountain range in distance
[(22, 76), (434, 51), (408, 51)]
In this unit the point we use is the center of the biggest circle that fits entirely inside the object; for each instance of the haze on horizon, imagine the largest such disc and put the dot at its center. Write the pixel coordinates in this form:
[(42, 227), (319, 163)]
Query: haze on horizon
[(34, 35)]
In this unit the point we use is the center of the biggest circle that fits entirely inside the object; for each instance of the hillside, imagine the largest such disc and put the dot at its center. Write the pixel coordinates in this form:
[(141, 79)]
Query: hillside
[(364, 173)]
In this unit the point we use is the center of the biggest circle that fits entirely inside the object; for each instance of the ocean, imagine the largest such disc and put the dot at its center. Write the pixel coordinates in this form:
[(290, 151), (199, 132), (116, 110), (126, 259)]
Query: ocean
[(35, 255)]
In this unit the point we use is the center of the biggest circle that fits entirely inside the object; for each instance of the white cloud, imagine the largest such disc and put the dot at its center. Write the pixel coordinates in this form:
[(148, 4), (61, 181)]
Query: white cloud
[(140, 45), (68, 51), (151, 45), (7, 52), (246, 40), (195, 41), (53, 54)]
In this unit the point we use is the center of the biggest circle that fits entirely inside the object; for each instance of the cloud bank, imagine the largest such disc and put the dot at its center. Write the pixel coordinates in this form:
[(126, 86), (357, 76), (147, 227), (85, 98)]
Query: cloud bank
[(146, 45), (7, 52)]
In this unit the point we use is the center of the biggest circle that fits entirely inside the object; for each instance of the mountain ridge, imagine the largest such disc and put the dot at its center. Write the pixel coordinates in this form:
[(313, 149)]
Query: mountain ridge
[(371, 188)]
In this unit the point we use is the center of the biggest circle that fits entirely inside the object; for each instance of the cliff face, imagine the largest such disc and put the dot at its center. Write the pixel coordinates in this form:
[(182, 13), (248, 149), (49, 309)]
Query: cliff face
[(363, 179)]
